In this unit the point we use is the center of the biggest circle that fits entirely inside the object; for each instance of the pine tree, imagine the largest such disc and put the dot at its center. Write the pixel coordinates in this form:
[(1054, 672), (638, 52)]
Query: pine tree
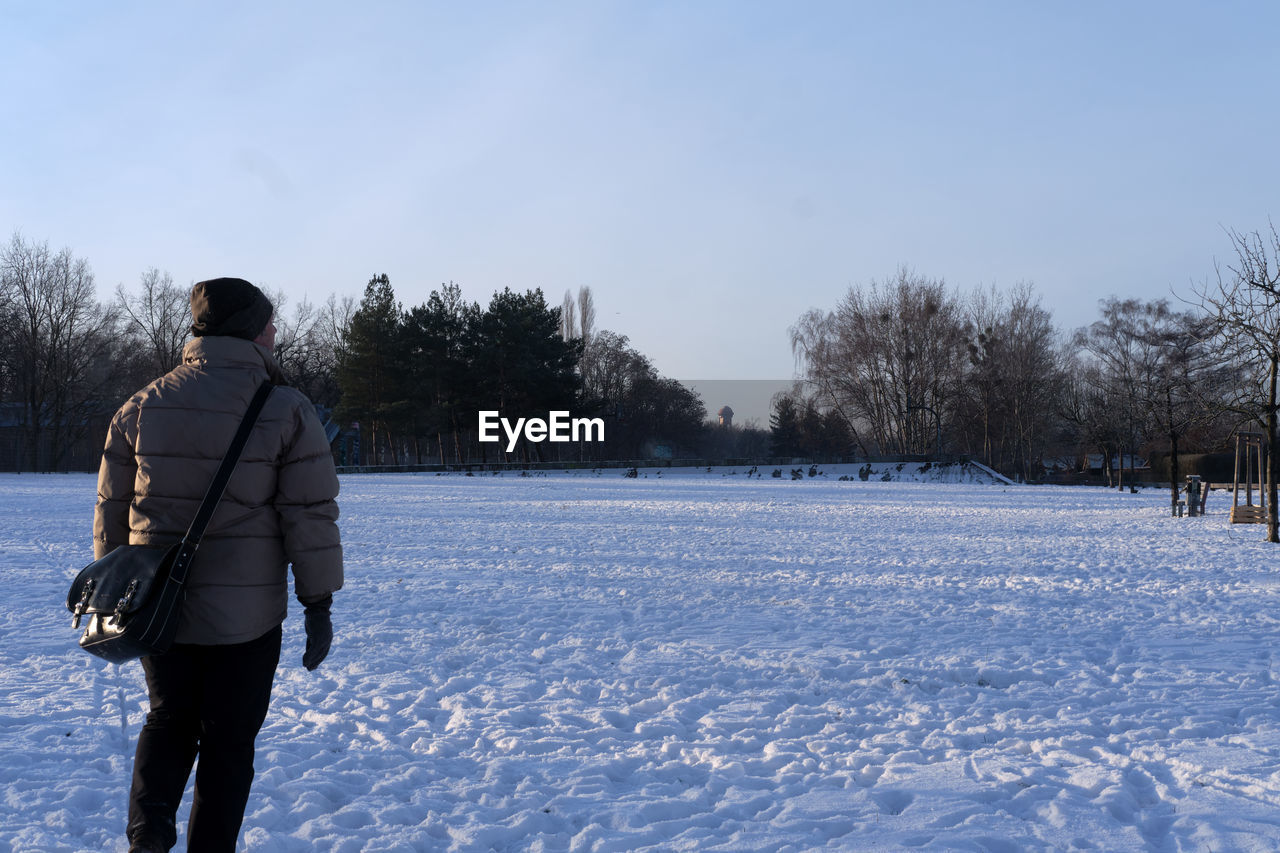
[(784, 427), (372, 373), (522, 364), (442, 379)]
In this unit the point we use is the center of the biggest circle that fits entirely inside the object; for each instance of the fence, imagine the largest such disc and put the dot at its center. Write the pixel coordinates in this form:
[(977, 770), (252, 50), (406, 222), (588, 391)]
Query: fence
[(758, 462)]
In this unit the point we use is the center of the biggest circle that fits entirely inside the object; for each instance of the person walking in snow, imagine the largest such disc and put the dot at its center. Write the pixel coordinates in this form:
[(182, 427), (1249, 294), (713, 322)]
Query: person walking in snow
[(209, 693)]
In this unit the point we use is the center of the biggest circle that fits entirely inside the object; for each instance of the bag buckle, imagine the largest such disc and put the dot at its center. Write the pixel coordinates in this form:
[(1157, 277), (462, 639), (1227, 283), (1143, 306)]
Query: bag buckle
[(124, 601), (83, 604)]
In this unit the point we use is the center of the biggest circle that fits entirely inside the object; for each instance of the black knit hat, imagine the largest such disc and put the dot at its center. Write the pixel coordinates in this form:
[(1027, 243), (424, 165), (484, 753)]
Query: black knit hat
[(229, 306)]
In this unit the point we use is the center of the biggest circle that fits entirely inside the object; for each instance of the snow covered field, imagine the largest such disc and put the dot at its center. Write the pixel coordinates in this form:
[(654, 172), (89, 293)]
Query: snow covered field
[(702, 662)]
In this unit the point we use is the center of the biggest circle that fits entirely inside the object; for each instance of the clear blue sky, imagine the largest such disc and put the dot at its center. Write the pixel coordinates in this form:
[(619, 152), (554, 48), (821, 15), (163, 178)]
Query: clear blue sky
[(710, 169)]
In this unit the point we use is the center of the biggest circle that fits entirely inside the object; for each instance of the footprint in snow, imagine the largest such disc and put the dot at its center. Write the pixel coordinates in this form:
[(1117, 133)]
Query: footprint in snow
[(892, 802)]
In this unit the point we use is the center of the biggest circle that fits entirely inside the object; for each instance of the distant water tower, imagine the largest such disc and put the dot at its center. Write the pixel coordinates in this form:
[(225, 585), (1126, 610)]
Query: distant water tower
[(726, 416)]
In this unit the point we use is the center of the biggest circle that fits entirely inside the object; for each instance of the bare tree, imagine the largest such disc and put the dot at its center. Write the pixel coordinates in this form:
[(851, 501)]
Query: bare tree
[(1244, 302), (1153, 366), (612, 369), (815, 344), (1182, 380), (1086, 409), (586, 314), (984, 419), (1116, 347), (890, 358), (1035, 379), (1014, 379), (306, 347), (568, 317), (308, 342), (335, 321), (9, 334), (640, 407), (578, 316), (59, 354), (158, 317)]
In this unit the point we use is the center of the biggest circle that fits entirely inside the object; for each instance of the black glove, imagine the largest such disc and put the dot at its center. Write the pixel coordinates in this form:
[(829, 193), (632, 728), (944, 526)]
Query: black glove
[(319, 632)]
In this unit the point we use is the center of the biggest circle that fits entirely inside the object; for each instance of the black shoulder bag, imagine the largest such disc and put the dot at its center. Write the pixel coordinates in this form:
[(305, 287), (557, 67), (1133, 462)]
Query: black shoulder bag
[(133, 595)]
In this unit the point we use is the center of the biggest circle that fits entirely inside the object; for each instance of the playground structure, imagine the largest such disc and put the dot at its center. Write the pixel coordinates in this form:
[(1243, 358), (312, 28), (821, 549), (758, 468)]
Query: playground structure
[(1248, 462)]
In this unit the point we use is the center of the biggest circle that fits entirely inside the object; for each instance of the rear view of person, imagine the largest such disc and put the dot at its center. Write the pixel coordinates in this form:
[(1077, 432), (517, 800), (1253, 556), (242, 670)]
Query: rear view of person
[(209, 693)]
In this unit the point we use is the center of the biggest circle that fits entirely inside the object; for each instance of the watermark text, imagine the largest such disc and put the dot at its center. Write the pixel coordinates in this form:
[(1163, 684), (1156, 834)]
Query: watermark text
[(558, 427)]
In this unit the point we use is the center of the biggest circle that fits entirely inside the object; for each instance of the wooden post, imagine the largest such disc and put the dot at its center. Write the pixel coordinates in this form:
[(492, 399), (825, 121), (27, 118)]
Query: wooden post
[(1248, 444), (1235, 476)]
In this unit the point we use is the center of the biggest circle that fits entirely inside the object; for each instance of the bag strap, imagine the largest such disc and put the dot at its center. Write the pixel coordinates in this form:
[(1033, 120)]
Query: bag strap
[(219, 485)]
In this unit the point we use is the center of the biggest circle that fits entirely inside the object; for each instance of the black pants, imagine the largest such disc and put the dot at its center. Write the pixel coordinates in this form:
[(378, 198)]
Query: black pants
[(210, 701)]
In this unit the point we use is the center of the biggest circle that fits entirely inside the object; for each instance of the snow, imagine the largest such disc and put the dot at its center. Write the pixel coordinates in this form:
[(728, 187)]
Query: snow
[(692, 660)]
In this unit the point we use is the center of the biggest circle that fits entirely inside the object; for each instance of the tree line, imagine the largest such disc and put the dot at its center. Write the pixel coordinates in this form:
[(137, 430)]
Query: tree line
[(415, 379), (68, 359), (404, 384), (901, 366), (906, 366)]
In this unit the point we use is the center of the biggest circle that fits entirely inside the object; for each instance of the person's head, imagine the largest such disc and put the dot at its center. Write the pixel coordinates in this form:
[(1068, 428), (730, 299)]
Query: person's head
[(268, 335), (232, 307)]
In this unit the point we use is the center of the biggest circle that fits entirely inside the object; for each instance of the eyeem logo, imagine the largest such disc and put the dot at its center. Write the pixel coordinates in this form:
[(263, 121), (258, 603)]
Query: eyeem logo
[(557, 427)]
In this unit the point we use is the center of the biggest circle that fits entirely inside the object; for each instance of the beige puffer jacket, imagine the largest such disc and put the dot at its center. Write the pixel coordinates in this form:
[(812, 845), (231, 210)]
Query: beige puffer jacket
[(162, 450)]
